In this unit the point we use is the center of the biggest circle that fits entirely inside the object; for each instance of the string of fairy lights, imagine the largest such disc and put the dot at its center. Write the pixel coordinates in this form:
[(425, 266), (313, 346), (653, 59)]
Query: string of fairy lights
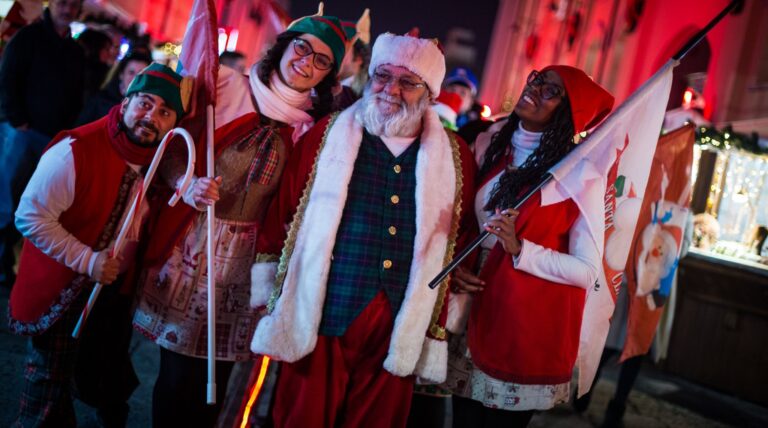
[(739, 188), (726, 138)]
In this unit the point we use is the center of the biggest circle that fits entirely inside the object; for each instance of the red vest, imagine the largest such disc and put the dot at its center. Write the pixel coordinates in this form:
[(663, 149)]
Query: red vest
[(39, 293), (522, 328)]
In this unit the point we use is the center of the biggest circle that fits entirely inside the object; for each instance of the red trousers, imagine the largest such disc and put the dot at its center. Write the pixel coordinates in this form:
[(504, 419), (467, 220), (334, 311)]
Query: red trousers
[(342, 382)]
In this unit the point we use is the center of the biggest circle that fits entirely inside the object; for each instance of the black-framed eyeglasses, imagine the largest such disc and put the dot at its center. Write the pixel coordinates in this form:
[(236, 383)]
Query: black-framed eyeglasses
[(406, 84), (548, 90), (303, 48)]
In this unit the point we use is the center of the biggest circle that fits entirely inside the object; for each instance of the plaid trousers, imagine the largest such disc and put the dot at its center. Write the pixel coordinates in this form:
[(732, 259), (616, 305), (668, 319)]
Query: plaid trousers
[(95, 368), (46, 399)]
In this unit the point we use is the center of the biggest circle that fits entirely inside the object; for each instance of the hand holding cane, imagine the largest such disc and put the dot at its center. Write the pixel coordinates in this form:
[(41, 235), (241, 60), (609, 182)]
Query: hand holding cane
[(136, 207)]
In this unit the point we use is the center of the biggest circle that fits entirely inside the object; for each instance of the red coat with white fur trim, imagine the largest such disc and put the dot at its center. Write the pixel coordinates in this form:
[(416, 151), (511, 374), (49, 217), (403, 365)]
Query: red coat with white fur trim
[(298, 236)]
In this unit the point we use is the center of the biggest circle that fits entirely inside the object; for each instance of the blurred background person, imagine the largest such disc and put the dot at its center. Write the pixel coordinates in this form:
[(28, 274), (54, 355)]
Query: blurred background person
[(354, 69), (114, 86), (100, 54), (35, 104), (234, 60), (447, 108), (462, 81)]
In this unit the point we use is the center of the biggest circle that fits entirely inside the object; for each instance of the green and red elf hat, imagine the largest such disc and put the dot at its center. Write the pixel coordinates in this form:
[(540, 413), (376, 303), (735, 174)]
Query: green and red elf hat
[(159, 80), (350, 29), (326, 28), (360, 30)]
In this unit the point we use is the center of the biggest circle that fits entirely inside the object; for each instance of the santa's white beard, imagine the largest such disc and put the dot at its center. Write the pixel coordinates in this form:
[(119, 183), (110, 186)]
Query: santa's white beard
[(405, 122)]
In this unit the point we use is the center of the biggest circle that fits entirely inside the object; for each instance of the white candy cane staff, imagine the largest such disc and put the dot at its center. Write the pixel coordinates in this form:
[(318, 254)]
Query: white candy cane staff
[(137, 201)]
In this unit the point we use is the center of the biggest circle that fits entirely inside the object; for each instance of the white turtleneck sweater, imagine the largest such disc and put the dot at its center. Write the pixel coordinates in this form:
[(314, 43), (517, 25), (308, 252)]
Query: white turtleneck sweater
[(579, 267)]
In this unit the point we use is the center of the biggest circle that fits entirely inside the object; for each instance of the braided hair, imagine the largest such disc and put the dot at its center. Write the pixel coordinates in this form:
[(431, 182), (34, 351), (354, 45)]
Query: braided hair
[(556, 142), (323, 101)]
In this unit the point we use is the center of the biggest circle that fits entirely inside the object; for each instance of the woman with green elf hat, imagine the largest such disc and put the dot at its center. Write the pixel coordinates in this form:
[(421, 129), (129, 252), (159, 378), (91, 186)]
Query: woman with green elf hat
[(259, 118)]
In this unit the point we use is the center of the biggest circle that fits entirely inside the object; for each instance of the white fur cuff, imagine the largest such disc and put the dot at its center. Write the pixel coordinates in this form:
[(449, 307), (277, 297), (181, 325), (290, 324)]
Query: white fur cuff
[(433, 364), (262, 283)]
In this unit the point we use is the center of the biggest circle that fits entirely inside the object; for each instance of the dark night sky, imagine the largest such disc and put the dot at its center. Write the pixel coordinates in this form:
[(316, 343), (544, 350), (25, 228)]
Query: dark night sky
[(433, 17)]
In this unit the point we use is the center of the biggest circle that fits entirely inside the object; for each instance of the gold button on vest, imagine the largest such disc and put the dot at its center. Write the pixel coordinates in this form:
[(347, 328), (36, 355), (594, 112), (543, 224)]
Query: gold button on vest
[(395, 199), (387, 264)]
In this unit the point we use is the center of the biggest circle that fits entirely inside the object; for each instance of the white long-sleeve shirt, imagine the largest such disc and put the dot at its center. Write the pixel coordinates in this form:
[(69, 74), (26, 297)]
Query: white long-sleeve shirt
[(50, 192), (579, 267)]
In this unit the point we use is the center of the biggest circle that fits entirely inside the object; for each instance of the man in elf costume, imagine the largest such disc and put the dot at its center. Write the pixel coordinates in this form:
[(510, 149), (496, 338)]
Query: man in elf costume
[(372, 204), (70, 215)]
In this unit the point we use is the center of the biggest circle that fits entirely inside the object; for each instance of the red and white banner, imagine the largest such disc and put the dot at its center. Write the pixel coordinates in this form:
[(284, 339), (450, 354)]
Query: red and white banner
[(655, 251), (606, 175)]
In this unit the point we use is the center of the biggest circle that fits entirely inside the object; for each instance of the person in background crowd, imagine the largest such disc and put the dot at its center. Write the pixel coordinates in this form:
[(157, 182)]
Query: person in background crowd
[(447, 107), (114, 87), (259, 118), (471, 130), (536, 266), (354, 68), (100, 54), (462, 81), (70, 214), (41, 89), (372, 204), (234, 60)]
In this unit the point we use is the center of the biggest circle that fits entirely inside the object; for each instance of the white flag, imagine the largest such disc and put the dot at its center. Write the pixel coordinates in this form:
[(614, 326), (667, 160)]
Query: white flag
[(606, 176)]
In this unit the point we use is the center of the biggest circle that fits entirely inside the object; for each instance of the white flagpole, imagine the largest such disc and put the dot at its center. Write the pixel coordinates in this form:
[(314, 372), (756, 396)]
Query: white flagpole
[(211, 266)]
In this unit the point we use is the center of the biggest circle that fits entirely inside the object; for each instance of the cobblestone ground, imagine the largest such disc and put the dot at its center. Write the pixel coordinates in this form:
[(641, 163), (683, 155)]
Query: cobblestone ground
[(658, 400)]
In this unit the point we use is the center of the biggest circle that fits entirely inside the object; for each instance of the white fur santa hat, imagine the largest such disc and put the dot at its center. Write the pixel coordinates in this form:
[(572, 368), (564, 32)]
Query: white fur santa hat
[(422, 57)]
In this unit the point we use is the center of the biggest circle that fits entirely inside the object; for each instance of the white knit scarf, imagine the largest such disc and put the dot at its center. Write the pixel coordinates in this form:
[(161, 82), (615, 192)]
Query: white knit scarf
[(281, 102)]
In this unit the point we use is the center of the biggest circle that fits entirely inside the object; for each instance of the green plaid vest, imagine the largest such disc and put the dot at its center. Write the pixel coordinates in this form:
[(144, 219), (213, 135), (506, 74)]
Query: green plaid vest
[(374, 242)]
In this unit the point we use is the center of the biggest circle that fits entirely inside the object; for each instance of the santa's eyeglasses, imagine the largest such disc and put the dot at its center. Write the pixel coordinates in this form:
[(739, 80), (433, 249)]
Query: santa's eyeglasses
[(383, 78), (547, 90)]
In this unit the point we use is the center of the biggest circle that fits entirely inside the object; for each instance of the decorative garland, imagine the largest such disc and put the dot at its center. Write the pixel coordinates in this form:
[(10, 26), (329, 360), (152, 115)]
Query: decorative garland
[(726, 138)]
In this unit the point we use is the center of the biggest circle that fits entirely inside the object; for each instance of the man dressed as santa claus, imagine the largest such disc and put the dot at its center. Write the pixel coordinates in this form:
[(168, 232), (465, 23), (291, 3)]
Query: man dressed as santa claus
[(371, 207)]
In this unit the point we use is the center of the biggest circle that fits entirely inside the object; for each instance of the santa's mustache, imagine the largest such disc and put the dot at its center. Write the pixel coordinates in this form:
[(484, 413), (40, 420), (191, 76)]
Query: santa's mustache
[(392, 99)]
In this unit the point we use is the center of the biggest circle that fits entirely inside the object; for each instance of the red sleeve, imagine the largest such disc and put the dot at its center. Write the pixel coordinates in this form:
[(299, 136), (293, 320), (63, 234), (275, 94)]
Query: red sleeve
[(294, 180)]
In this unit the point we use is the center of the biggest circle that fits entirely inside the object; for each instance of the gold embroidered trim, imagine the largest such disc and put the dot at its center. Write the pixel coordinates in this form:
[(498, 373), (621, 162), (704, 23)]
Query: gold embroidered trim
[(298, 218), (266, 258), (121, 203), (435, 329)]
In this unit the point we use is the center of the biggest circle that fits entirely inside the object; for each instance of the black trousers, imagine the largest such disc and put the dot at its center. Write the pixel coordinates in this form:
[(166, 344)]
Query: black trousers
[(428, 411), (179, 397), (469, 413), (630, 369)]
